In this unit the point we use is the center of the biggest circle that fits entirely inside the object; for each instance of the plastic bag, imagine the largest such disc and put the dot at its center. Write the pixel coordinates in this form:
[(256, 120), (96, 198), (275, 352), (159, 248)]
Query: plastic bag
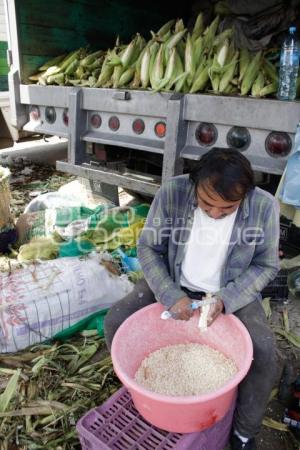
[(290, 186), (41, 300)]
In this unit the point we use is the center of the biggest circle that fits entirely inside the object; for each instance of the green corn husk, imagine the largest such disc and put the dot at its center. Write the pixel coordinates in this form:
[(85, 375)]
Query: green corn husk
[(198, 27), (251, 73), (201, 81), (210, 32), (118, 71), (105, 74), (228, 75), (72, 67), (69, 59), (269, 89), (175, 39), (270, 70), (157, 71), (189, 61), (225, 35), (289, 336), (258, 85), (198, 49), (179, 26), (88, 60), (145, 68), (126, 77), (52, 62), (244, 62), (56, 79), (9, 392), (165, 28)]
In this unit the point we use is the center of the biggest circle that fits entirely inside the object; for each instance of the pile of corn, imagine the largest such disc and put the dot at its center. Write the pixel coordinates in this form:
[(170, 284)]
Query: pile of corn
[(47, 388), (174, 59)]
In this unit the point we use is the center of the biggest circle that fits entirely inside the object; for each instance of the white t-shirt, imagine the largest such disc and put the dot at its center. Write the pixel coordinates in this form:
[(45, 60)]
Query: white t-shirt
[(206, 251)]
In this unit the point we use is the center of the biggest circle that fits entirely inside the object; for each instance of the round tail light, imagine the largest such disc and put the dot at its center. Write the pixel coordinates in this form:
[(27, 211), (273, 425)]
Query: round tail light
[(160, 129), (50, 114), (34, 113), (114, 123), (238, 138), (96, 121), (66, 117), (138, 126), (206, 134), (278, 144)]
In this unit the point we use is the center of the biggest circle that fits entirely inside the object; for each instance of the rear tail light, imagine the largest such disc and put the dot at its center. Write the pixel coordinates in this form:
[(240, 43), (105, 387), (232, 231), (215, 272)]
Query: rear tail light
[(160, 129), (96, 121), (66, 117), (50, 114), (206, 134), (238, 138), (278, 144), (114, 123), (138, 126), (34, 113)]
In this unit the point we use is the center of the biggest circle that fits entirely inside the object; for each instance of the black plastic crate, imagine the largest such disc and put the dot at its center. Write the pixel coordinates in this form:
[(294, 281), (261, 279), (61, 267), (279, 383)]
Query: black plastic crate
[(278, 288)]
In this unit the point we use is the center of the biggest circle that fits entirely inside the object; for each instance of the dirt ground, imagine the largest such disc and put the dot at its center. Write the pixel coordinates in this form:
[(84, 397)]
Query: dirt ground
[(28, 183)]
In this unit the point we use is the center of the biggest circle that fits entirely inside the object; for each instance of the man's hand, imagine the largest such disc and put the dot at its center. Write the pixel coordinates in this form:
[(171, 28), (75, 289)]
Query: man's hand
[(214, 311), (182, 309)]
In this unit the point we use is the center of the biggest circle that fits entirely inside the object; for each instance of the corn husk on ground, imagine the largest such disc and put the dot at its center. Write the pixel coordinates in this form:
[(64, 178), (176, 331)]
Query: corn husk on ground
[(47, 388), (173, 59)]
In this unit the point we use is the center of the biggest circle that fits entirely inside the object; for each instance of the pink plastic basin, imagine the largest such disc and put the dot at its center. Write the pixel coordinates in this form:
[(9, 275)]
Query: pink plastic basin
[(144, 332)]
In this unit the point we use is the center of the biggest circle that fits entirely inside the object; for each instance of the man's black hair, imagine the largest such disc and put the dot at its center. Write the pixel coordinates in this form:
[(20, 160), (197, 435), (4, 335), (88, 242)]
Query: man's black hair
[(227, 171)]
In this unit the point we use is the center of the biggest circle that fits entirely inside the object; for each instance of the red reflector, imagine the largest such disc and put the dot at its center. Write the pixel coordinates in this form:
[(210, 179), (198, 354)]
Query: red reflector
[(138, 126), (114, 123), (160, 129), (34, 113), (278, 144), (96, 121), (66, 117), (206, 134)]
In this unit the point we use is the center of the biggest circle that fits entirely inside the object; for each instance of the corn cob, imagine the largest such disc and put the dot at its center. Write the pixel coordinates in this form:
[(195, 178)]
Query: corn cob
[(178, 72), (79, 72), (70, 58), (201, 81), (210, 32), (251, 73), (215, 81), (91, 58), (58, 78), (52, 62), (175, 39), (198, 27), (165, 28), (220, 38), (244, 62), (197, 49), (269, 89), (95, 65), (229, 73), (52, 70), (126, 57), (179, 26), (153, 52), (270, 70), (222, 53), (145, 66), (72, 67), (36, 76), (158, 69), (106, 73), (180, 82), (258, 85), (170, 70), (126, 77), (189, 62), (118, 71)]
